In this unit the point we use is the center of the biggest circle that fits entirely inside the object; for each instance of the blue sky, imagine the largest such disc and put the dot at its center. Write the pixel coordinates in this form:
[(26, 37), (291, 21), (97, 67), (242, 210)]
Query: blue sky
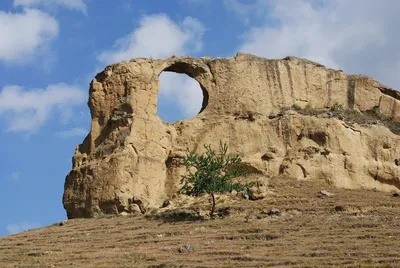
[(51, 49)]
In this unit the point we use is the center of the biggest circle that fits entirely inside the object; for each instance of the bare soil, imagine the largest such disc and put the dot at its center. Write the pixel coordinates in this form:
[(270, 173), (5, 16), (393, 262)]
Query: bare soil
[(353, 228)]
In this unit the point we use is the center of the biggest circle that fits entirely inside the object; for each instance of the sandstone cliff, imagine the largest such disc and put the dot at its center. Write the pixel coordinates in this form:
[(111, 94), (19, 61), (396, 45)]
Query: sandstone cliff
[(130, 160)]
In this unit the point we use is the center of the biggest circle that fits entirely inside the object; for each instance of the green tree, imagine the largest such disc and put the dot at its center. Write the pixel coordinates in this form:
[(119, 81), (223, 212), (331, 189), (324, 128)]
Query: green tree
[(214, 173)]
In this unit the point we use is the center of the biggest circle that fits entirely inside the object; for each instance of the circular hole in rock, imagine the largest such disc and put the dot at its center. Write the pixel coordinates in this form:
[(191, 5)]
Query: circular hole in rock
[(180, 97)]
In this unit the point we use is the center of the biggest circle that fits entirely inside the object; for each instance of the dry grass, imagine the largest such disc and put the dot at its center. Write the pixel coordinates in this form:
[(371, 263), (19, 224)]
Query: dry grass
[(371, 117), (363, 231)]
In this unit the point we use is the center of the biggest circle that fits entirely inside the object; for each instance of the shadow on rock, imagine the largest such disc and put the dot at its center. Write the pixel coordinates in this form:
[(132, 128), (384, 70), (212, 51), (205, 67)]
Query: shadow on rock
[(176, 216)]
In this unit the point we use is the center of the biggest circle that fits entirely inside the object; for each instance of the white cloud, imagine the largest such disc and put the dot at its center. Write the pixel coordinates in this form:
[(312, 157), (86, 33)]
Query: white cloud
[(72, 132), (14, 228), (358, 36), (157, 36), (182, 89), (26, 34), (28, 110), (78, 5)]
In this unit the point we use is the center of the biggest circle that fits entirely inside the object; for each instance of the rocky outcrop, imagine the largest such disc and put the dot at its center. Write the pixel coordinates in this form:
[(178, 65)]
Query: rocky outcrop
[(131, 159)]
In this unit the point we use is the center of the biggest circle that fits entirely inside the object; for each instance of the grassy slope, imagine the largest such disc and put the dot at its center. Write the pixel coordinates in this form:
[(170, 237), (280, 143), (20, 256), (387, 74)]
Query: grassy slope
[(308, 233)]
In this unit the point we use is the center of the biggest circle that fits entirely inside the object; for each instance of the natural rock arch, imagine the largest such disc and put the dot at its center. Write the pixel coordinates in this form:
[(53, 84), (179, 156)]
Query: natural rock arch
[(130, 159), (182, 67), (180, 97)]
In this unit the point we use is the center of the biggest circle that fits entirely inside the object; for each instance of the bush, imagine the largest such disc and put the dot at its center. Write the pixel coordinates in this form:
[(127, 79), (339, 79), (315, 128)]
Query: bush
[(296, 107), (214, 173), (336, 107)]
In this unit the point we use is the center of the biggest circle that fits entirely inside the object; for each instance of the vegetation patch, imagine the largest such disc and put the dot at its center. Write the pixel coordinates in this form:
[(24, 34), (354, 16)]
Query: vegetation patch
[(214, 173), (370, 117)]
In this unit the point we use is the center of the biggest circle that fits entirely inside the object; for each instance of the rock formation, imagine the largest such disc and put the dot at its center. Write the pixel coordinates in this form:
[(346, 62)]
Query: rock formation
[(131, 159)]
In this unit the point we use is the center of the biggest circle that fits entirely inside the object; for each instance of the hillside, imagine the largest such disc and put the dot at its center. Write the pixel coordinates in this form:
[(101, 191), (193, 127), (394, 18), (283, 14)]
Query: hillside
[(352, 228), (322, 148)]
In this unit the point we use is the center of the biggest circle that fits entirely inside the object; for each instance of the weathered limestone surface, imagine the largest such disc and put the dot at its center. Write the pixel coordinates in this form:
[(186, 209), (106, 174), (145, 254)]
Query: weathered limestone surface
[(130, 160)]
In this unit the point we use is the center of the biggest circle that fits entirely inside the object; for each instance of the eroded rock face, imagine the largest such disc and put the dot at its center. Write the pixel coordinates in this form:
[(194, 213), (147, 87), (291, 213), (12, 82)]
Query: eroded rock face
[(131, 160)]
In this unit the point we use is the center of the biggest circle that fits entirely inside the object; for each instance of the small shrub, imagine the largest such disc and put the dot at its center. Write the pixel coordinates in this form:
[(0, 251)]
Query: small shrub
[(336, 107), (153, 211), (207, 60), (296, 107), (214, 173)]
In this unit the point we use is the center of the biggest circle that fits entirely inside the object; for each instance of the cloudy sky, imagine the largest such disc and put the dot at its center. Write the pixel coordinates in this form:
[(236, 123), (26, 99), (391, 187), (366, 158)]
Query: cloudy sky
[(51, 49)]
